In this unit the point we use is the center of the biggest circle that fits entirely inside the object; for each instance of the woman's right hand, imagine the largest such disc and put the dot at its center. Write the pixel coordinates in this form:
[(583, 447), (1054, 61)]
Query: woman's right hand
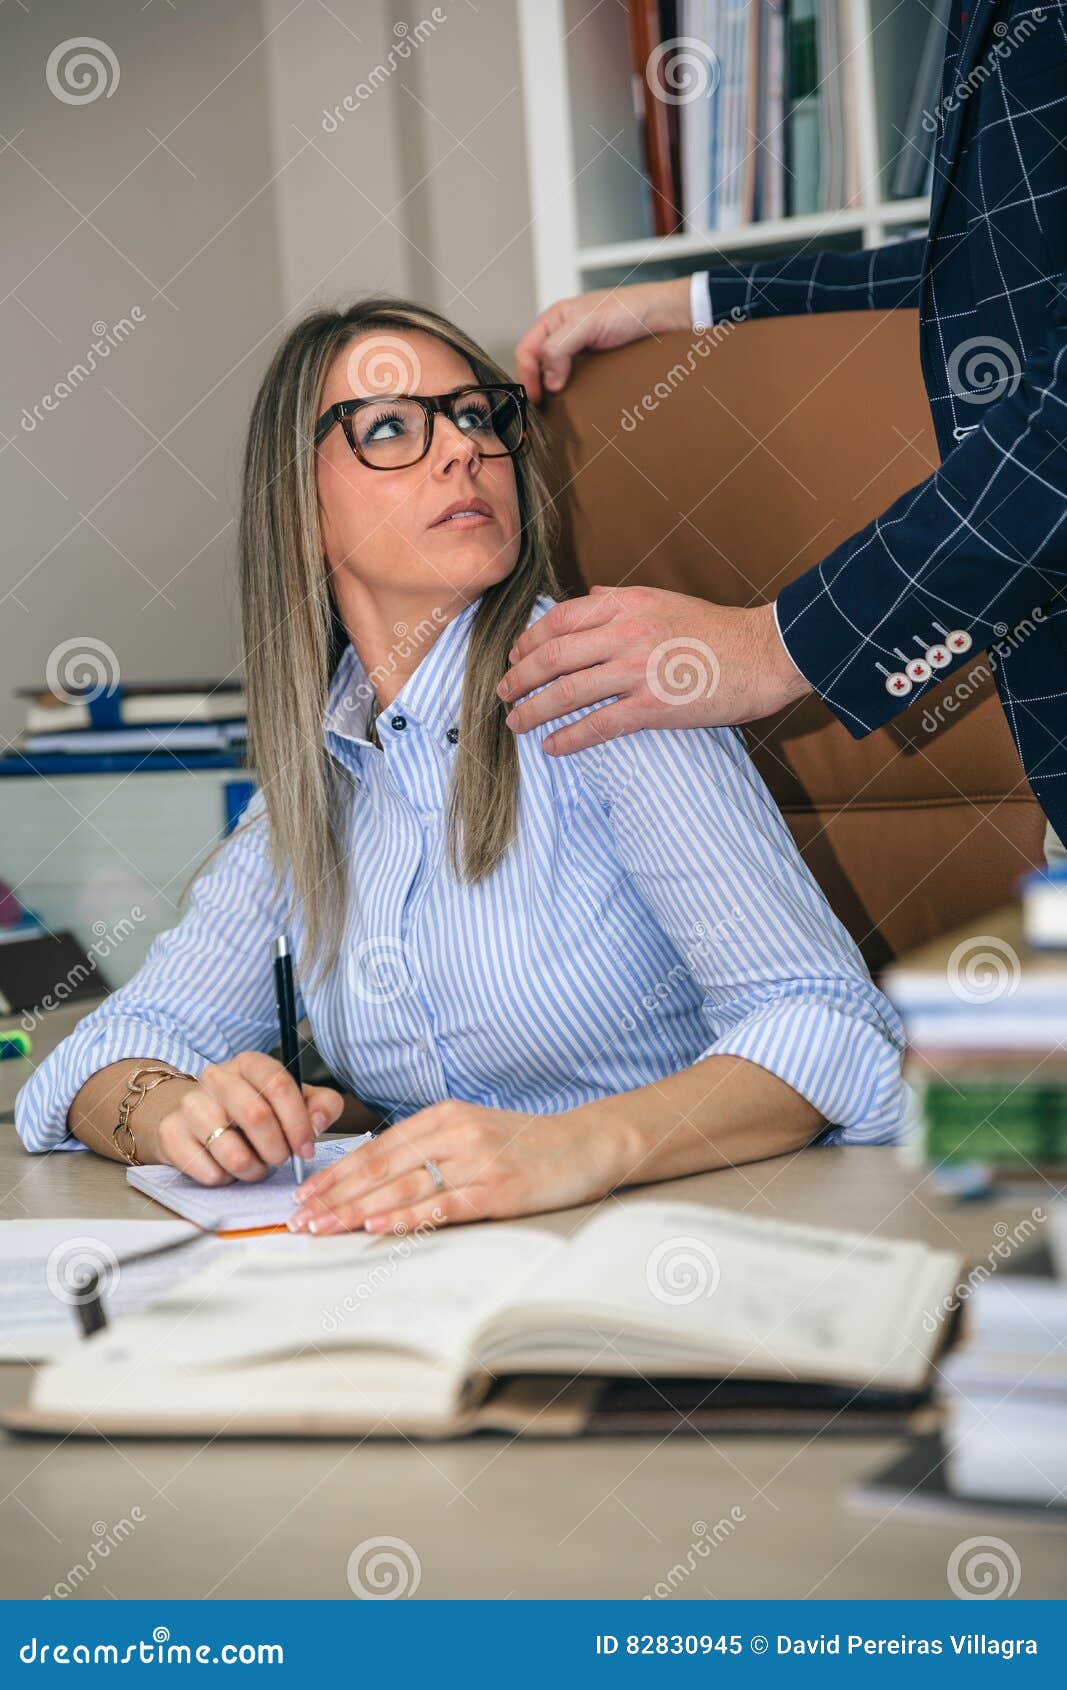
[(267, 1117)]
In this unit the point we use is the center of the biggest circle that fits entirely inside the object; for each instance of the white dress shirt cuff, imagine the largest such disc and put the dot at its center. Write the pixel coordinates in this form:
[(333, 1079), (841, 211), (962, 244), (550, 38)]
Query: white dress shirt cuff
[(781, 636), (700, 301)]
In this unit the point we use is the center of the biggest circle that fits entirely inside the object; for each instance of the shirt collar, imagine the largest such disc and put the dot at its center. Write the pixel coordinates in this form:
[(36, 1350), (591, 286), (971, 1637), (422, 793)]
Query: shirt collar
[(430, 696)]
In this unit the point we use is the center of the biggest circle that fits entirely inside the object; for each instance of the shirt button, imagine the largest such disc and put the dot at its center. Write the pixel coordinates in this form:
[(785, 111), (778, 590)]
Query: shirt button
[(452, 736), (399, 723)]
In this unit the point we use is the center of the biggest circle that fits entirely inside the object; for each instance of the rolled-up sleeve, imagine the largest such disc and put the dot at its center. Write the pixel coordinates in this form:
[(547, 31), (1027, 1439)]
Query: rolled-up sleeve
[(204, 993), (784, 985)]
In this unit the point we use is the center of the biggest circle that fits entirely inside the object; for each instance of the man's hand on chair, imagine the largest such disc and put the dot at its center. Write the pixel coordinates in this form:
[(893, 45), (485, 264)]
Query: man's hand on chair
[(666, 661), (596, 322)]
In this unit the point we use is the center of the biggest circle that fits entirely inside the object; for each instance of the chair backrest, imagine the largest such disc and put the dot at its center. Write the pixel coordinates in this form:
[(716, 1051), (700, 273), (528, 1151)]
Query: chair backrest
[(725, 471)]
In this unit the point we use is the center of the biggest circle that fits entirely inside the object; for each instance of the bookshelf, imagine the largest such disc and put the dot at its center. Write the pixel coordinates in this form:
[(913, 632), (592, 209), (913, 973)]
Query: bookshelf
[(587, 195)]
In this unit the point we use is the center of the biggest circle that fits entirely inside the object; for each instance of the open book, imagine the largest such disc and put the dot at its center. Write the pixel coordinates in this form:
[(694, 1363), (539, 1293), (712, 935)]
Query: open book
[(384, 1336)]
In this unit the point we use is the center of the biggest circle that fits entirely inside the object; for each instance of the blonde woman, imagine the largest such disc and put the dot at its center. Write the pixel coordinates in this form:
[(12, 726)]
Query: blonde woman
[(548, 977)]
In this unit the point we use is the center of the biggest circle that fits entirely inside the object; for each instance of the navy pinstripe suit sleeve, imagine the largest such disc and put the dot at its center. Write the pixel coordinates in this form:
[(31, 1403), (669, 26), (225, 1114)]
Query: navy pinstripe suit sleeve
[(979, 546), (879, 279), (204, 993)]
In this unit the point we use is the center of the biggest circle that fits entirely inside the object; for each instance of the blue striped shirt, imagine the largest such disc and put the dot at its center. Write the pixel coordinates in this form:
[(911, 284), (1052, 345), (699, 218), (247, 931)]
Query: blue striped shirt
[(652, 911)]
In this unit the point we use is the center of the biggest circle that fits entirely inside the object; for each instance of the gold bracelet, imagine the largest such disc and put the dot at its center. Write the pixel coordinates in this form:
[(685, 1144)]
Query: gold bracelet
[(141, 1081)]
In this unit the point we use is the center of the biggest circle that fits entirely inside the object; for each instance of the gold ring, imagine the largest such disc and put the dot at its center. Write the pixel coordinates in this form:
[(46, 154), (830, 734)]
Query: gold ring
[(211, 1137)]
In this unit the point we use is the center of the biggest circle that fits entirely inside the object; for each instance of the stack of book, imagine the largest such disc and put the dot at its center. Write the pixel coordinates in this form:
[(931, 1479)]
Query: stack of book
[(135, 725), (747, 109), (986, 1021), (1005, 1395)]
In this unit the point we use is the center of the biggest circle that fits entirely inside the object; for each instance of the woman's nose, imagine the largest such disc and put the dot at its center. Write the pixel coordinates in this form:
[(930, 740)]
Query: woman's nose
[(453, 445)]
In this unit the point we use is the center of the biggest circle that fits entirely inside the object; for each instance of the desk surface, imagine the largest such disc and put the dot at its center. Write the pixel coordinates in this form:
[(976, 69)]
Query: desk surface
[(493, 1517)]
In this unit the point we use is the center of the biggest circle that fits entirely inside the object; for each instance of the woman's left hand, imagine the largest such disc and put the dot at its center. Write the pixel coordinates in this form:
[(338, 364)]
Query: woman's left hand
[(495, 1163)]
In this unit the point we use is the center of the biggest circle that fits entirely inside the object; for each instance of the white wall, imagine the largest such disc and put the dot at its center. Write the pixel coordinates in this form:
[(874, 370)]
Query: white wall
[(207, 192)]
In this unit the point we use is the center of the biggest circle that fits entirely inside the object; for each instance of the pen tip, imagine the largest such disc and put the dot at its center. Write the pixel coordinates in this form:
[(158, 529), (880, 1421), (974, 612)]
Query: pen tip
[(280, 947)]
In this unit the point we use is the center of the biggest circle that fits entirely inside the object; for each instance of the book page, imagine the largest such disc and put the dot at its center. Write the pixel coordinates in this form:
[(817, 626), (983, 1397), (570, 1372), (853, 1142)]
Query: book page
[(292, 1294), (666, 1286), (43, 1268)]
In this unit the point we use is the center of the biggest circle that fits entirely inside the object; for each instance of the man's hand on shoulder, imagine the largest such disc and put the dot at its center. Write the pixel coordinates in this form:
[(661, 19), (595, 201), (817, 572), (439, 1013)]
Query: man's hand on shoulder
[(665, 659)]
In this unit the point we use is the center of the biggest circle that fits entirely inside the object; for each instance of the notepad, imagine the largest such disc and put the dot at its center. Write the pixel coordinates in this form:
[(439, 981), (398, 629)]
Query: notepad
[(238, 1207)]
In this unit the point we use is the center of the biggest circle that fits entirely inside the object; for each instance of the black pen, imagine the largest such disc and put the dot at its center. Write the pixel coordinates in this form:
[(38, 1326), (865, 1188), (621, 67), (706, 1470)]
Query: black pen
[(286, 996)]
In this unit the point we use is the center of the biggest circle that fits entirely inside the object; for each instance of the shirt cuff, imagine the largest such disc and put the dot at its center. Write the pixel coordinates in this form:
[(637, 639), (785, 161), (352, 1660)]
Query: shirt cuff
[(42, 1104), (700, 301), (785, 647), (847, 1067)]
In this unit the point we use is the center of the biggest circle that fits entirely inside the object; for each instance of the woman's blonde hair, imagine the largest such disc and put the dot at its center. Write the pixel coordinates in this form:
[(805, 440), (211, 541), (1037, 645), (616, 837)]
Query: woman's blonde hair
[(293, 637)]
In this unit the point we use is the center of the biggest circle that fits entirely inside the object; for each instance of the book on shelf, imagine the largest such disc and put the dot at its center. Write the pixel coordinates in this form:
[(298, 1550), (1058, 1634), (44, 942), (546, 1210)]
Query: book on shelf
[(515, 1325), (134, 704)]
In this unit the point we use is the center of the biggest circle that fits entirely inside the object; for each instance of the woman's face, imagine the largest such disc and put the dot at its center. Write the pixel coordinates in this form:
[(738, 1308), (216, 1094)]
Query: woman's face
[(388, 529)]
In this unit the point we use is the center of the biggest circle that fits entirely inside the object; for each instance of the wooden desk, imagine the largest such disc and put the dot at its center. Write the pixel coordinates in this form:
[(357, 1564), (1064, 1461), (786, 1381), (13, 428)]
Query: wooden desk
[(491, 1517)]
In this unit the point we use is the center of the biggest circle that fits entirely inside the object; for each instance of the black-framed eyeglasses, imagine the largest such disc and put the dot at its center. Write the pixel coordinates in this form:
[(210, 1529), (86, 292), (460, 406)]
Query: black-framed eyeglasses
[(395, 430)]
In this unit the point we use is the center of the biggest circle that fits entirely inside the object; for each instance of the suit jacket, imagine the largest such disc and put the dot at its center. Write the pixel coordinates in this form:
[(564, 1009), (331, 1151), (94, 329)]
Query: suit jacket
[(975, 557)]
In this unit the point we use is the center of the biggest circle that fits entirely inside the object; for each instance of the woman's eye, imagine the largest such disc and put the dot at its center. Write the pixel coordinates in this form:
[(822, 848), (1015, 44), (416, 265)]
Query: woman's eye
[(383, 428), (472, 417)]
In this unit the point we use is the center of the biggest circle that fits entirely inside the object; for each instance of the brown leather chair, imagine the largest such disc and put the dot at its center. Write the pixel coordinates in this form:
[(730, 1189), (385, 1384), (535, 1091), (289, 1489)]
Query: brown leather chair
[(724, 475)]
